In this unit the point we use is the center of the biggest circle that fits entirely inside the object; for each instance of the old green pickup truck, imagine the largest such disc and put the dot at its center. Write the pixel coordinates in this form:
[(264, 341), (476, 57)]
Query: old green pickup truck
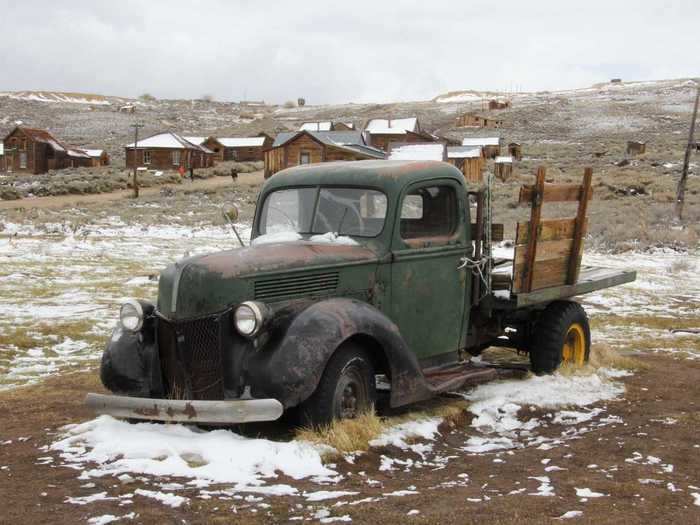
[(356, 272)]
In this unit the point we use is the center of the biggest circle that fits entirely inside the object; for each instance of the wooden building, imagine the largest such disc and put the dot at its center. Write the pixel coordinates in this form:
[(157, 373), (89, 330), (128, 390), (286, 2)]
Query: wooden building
[(327, 125), (168, 151), (2, 157), (99, 157), (472, 120), (469, 160), (29, 150), (515, 150), (382, 133), (491, 146), (503, 168), (242, 149), (635, 147), (495, 104), (308, 147)]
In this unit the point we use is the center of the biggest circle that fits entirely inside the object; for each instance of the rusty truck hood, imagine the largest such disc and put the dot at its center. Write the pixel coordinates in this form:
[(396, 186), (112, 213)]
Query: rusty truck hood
[(209, 283)]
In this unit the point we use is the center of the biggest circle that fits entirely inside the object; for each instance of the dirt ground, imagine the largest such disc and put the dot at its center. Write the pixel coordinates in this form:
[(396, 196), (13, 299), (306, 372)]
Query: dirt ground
[(32, 416)]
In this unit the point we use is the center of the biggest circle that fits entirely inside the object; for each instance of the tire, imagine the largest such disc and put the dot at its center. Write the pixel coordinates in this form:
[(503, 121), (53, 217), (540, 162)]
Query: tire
[(346, 389), (562, 335)]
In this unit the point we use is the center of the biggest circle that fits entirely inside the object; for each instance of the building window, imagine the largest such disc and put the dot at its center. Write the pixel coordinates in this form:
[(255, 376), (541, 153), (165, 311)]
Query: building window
[(146, 157), (176, 158), (24, 144), (23, 160), (304, 157)]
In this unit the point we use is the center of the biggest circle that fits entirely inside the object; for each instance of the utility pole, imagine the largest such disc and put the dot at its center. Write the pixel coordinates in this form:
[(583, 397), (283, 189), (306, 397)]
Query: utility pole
[(680, 195), (136, 127)]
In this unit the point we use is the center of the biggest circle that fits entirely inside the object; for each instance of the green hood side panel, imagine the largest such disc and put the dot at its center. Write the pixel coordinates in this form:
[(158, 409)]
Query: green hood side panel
[(210, 283)]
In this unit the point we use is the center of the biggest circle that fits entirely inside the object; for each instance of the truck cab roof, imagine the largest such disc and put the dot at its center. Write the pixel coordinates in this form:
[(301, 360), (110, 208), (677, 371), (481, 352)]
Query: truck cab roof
[(388, 175)]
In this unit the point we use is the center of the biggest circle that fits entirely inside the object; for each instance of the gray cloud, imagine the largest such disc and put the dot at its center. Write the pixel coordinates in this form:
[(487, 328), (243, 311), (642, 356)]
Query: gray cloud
[(338, 52)]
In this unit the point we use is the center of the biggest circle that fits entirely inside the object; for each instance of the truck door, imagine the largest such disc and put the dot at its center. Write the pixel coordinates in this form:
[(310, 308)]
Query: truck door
[(428, 290)]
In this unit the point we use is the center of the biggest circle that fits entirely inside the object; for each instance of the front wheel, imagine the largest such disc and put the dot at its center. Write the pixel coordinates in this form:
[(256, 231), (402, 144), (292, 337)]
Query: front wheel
[(562, 335), (347, 388)]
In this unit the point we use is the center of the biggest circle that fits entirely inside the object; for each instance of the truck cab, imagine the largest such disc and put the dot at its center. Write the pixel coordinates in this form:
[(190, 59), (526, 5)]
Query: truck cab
[(355, 270)]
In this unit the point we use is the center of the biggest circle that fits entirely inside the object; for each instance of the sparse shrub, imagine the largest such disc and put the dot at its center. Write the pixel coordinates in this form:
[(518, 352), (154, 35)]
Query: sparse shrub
[(290, 104), (9, 194), (147, 97), (208, 98)]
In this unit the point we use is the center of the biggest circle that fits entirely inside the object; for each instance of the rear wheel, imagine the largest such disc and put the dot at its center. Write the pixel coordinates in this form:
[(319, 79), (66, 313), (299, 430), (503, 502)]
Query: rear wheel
[(562, 335), (346, 390)]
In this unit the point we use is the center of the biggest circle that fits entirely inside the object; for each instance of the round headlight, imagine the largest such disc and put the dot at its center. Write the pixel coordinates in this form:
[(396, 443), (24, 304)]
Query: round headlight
[(248, 318), (131, 315)]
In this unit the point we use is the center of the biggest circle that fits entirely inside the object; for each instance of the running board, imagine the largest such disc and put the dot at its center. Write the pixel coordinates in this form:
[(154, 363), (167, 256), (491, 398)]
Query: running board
[(468, 374)]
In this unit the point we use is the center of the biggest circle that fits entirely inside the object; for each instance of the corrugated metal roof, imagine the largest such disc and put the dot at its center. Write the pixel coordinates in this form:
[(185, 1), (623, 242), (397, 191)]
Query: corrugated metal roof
[(503, 160), (325, 125), (94, 152), (481, 141), (327, 137), (196, 140), (168, 140), (406, 124), (430, 151), (242, 142), (463, 152)]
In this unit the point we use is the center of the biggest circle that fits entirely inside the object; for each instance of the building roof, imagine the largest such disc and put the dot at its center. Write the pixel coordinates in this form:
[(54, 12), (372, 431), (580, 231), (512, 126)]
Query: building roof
[(168, 140), (41, 135), (2, 149), (95, 153), (77, 153), (242, 142), (503, 160), (348, 140), (430, 151), (464, 152), (399, 125), (481, 141), (196, 140), (325, 125)]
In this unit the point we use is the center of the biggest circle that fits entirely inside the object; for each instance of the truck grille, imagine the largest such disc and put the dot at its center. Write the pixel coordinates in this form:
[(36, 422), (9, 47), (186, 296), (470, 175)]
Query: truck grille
[(296, 286), (191, 358)]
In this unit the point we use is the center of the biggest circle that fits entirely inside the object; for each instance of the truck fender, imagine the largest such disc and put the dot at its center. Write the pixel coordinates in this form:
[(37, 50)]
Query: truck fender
[(290, 367), (130, 364)]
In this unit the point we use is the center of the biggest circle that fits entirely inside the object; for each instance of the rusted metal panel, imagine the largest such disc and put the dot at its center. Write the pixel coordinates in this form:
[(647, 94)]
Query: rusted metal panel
[(186, 411)]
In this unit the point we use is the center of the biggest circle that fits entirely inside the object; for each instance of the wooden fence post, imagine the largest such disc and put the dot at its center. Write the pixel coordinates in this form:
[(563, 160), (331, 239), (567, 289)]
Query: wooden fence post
[(577, 244), (535, 213)]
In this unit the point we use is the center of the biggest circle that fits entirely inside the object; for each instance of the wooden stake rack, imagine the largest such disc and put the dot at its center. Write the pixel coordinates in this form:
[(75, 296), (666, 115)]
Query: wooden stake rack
[(548, 252)]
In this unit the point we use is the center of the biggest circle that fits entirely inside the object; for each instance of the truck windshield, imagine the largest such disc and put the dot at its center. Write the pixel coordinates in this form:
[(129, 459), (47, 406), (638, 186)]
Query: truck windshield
[(357, 212)]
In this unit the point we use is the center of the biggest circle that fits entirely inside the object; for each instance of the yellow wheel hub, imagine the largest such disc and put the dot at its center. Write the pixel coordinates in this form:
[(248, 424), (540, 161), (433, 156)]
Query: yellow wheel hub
[(574, 350)]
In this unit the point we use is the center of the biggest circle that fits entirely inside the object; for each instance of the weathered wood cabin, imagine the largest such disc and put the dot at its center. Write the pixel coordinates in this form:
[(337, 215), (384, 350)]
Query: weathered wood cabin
[(308, 147), (99, 157), (168, 151), (635, 147), (491, 146), (515, 150), (495, 104), (2, 157), (503, 168), (472, 120), (29, 150), (469, 160), (382, 133), (242, 149)]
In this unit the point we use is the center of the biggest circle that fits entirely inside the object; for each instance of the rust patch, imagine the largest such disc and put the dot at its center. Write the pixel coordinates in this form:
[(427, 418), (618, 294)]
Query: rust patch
[(189, 411), (148, 412)]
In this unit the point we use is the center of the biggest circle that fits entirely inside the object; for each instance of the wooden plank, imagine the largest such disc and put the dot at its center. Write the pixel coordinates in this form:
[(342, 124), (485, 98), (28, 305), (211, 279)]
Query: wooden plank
[(549, 230), (497, 232), (536, 199), (552, 193), (476, 282), (577, 248), (545, 274), (546, 250)]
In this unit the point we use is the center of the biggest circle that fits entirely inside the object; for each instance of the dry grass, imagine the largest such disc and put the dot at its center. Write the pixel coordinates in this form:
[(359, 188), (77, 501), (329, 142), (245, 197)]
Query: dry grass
[(604, 356), (354, 435)]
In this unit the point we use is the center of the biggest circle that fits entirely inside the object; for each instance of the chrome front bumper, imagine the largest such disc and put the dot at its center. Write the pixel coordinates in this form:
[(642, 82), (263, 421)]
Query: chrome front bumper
[(185, 411)]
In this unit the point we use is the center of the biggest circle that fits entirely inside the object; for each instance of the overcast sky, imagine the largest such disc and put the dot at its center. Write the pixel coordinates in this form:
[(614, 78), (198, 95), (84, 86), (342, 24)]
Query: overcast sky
[(357, 51)]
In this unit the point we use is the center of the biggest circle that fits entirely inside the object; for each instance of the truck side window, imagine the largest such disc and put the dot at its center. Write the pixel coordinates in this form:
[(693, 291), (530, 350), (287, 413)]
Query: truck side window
[(429, 212)]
